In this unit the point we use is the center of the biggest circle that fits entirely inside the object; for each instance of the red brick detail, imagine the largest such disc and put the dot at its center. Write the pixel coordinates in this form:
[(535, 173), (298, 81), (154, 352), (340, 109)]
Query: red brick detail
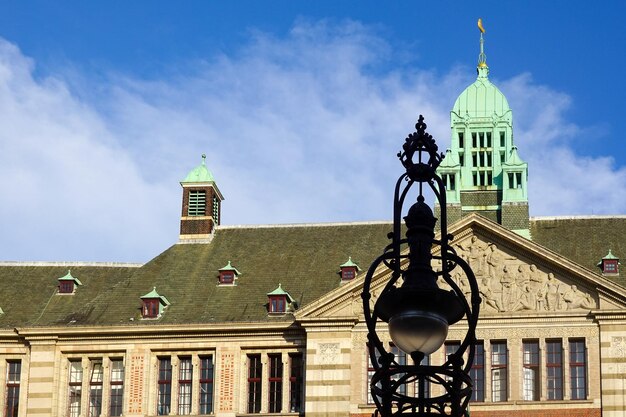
[(196, 227)]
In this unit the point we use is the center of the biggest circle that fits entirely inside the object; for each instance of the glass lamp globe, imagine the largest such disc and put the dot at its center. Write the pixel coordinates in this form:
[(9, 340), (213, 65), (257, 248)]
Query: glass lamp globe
[(418, 331)]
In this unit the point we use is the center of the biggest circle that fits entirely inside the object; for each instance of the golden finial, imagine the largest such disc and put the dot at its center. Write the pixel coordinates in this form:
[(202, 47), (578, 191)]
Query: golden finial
[(482, 58)]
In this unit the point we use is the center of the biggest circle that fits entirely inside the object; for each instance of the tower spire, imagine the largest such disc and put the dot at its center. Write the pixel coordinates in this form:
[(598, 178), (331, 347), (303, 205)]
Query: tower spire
[(482, 68)]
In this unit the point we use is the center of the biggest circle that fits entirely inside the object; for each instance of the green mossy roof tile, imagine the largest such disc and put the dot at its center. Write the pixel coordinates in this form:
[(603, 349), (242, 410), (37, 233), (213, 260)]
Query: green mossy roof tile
[(303, 258), (584, 240)]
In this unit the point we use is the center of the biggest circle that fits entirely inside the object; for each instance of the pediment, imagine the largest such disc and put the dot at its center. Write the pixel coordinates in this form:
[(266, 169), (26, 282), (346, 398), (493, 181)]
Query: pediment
[(515, 276)]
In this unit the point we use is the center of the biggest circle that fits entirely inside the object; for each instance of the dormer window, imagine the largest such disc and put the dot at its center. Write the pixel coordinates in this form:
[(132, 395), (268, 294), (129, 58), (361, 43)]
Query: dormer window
[(609, 264), (228, 275), (67, 283), (348, 270), (153, 304), (279, 301)]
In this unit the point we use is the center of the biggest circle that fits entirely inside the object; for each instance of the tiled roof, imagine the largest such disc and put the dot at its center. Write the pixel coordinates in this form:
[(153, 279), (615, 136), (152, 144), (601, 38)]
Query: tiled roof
[(583, 239), (304, 259)]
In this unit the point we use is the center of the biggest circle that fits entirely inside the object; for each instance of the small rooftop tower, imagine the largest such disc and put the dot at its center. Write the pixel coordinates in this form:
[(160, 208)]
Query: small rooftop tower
[(201, 204), (482, 170)]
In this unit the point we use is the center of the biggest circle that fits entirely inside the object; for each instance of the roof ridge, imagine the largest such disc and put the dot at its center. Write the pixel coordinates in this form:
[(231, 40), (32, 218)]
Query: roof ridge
[(62, 263), (286, 225), (582, 216)]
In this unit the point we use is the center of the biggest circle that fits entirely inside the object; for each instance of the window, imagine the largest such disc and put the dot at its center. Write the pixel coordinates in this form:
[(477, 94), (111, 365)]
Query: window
[(481, 138), (578, 369), (197, 203), (227, 277), (531, 385), (206, 385), (499, 377), (461, 142), (477, 373), (400, 358), (117, 387), (462, 158), (278, 304), (489, 139), (95, 388), (473, 139), (370, 375), (275, 404), (66, 287), (502, 140), (518, 178), (348, 273), (610, 266), (255, 374), (164, 397), (150, 308), (14, 371), (75, 387), (296, 372), (184, 385), (554, 369)]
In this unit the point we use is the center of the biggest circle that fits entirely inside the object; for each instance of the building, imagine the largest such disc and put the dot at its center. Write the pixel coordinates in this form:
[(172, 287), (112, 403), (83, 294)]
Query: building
[(244, 320)]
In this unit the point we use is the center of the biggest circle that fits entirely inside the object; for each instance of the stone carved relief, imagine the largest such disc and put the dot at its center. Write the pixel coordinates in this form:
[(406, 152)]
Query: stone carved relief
[(618, 346), (507, 284), (329, 353)]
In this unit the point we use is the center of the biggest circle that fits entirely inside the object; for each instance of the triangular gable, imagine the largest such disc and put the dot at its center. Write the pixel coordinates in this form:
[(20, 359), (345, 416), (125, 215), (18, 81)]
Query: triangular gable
[(515, 275)]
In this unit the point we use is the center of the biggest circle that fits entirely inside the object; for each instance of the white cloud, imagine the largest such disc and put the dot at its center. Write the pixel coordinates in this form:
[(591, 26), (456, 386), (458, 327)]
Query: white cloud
[(303, 128)]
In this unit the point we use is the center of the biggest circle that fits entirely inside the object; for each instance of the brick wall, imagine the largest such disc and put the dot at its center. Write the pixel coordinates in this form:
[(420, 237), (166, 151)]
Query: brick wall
[(481, 198), (515, 216)]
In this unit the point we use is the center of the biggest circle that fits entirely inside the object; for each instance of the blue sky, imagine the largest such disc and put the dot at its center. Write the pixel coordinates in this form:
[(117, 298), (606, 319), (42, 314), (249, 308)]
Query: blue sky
[(299, 106)]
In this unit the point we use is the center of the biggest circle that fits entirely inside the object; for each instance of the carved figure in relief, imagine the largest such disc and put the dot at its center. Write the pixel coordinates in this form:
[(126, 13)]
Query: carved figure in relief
[(488, 296), (494, 259), (552, 293), (510, 299), (578, 299), (528, 299), (474, 255)]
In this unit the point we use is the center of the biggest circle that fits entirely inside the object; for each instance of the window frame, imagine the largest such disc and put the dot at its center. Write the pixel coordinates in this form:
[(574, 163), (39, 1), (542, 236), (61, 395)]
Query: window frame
[(205, 385), (116, 387), (477, 373), (96, 380), (554, 370), (578, 369), (254, 381), (13, 382), (66, 287), (275, 382), (185, 385), (75, 387), (296, 382), (499, 367), (164, 385), (531, 365), (278, 304)]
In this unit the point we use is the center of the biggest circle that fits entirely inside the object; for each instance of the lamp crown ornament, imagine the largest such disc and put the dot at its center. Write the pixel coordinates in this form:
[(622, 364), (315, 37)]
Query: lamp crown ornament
[(417, 311)]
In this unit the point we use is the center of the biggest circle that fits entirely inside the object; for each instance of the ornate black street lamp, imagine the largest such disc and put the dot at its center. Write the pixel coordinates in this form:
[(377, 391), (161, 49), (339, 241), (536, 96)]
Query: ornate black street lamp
[(417, 311)]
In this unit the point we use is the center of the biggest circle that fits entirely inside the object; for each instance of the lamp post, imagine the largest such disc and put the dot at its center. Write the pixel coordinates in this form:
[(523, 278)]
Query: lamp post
[(417, 311)]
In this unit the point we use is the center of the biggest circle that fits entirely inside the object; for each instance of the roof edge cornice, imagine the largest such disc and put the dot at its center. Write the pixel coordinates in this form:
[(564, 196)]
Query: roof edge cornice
[(288, 225), (77, 264), (579, 217)]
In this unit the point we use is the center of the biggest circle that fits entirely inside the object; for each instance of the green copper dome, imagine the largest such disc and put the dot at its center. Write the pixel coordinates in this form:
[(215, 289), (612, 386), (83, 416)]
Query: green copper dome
[(481, 99), (200, 173)]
